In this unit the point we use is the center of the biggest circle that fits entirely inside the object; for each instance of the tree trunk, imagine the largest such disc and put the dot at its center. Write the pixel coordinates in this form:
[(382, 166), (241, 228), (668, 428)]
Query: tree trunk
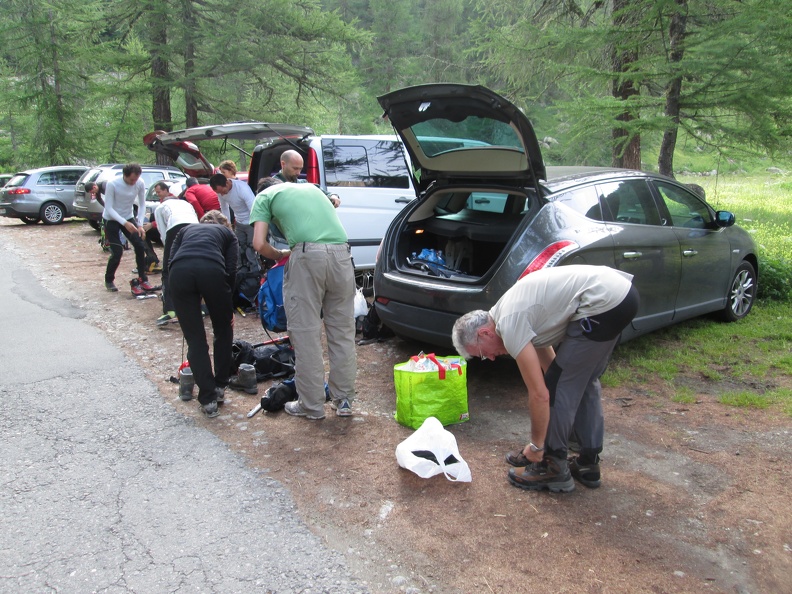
[(190, 95), (59, 133), (676, 35), (626, 148), (160, 79)]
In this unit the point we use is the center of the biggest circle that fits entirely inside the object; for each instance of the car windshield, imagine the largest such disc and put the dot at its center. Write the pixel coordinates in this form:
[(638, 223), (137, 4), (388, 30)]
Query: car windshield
[(440, 135)]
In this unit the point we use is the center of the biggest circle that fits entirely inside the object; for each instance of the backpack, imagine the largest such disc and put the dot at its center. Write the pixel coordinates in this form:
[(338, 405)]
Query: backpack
[(270, 360), (246, 289), (276, 397), (270, 300)]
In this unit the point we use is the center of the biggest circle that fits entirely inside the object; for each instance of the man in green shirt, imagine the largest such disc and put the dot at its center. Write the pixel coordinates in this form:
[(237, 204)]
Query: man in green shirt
[(319, 283)]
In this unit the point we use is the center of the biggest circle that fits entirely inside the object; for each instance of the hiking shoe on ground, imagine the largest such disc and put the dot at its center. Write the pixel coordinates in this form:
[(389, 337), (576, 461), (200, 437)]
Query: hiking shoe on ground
[(144, 284), (294, 409), (220, 395), (342, 407), (164, 319), (210, 410), (111, 287), (586, 474), (154, 268), (518, 459), (549, 474), (134, 284)]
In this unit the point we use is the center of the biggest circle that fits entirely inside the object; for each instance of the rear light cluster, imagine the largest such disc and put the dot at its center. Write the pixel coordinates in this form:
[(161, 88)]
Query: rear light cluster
[(312, 167), (550, 256), (19, 191)]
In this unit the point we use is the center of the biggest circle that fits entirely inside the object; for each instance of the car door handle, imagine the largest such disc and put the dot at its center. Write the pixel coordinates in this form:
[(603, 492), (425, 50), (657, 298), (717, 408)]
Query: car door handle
[(632, 255), (59, 189), (481, 201), (689, 253), (403, 200)]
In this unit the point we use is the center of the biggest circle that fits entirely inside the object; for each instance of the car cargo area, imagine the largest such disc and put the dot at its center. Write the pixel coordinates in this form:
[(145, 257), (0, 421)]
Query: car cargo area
[(460, 234)]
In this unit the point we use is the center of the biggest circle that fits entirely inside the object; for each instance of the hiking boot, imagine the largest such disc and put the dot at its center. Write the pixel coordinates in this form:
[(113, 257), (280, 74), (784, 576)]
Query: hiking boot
[(154, 268), (342, 407), (134, 284), (586, 474), (144, 284), (220, 395), (294, 409), (111, 287), (165, 318), (518, 459), (550, 474), (245, 379), (210, 410)]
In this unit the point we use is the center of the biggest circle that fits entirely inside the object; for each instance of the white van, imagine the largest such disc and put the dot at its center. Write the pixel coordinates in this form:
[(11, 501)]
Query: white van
[(369, 173)]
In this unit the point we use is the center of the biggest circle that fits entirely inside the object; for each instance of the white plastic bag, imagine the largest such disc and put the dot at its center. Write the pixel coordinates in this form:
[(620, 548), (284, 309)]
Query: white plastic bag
[(361, 305), (433, 450)]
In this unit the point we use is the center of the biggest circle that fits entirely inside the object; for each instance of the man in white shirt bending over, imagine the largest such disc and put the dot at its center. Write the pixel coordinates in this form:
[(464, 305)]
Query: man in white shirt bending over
[(239, 197)]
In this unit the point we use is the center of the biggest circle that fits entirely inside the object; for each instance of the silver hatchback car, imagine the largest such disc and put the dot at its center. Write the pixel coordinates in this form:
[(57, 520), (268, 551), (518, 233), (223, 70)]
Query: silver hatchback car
[(45, 194), (489, 212)]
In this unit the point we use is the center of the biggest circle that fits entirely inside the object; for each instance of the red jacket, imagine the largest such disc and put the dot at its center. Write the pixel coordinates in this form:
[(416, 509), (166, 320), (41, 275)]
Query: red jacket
[(202, 198)]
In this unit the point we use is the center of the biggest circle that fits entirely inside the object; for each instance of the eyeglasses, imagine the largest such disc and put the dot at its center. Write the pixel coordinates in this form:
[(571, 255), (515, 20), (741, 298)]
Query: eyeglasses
[(481, 356)]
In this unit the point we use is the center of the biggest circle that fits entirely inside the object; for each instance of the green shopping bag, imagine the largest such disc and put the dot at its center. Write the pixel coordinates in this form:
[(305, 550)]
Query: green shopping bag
[(429, 386)]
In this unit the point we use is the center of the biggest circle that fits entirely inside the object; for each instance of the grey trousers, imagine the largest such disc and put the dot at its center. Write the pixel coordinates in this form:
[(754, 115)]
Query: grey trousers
[(575, 393), (319, 282)]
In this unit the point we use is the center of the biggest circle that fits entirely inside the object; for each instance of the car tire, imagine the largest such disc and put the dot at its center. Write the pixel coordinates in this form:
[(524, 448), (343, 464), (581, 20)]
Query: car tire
[(95, 225), (52, 213), (364, 279), (29, 220), (741, 295)]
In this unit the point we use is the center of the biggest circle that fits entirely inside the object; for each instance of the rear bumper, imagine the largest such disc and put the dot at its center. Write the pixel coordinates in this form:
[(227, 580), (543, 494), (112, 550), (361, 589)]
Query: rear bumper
[(12, 211), (86, 212), (423, 325)]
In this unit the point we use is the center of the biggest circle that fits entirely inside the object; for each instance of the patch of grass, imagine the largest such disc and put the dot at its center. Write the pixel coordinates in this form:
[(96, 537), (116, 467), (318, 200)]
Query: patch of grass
[(783, 396), (684, 395), (744, 399)]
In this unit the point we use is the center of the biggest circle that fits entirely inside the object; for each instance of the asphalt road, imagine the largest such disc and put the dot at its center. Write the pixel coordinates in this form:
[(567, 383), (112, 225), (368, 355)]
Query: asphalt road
[(105, 488)]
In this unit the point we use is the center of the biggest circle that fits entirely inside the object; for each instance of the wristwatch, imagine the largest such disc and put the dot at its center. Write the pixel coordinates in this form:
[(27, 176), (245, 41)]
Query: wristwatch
[(534, 448)]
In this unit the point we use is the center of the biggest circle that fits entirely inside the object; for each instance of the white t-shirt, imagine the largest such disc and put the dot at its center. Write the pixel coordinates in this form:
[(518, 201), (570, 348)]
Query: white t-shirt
[(172, 212), (120, 199), (240, 197), (539, 307)]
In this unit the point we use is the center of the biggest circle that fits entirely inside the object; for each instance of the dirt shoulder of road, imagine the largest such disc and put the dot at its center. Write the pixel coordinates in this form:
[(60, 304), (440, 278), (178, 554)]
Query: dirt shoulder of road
[(694, 498)]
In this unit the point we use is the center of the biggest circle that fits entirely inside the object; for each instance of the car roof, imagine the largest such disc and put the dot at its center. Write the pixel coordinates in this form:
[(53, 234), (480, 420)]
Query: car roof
[(561, 177), (52, 168)]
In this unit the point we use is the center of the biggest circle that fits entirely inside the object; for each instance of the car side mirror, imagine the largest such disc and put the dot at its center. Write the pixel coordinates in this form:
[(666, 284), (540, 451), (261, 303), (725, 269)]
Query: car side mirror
[(724, 218)]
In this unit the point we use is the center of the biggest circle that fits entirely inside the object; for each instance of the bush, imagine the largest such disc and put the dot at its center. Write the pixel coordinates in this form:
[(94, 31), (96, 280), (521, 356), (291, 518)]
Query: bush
[(775, 273)]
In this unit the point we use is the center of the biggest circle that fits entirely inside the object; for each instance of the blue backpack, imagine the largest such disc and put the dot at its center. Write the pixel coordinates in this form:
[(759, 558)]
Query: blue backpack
[(270, 300)]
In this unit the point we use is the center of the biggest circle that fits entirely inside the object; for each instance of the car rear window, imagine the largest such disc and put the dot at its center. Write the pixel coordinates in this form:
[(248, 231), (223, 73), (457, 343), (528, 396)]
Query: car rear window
[(438, 136), (17, 180)]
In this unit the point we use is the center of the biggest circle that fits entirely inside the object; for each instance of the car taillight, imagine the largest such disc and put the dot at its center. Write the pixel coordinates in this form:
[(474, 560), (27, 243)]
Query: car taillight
[(550, 256), (312, 167), (383, 300), (19, 191)]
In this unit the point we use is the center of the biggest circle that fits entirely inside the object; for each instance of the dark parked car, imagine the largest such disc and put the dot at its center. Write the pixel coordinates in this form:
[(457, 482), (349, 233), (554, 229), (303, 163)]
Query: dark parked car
[(45, 194), (493, 213)]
